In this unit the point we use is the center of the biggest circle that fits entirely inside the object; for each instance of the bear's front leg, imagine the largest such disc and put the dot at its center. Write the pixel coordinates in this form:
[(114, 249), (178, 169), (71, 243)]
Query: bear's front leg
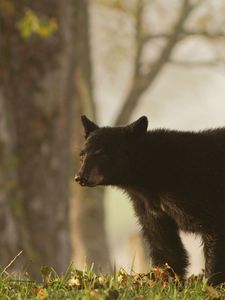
[(214, 251), (162, 235)]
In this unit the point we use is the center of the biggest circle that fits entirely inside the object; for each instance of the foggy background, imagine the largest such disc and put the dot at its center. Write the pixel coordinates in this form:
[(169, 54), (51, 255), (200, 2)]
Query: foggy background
[(113, 61)]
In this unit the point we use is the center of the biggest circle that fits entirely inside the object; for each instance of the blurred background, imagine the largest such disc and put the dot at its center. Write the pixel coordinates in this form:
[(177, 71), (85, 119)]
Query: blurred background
[(113, 60)]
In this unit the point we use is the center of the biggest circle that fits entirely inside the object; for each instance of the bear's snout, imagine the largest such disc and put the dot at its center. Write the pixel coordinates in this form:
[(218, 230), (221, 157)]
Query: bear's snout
[(81, 180)]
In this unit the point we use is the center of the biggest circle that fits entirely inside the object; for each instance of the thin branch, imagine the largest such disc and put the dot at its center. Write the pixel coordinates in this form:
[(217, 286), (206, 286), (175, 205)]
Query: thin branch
[(186, 63), (141, 83), (204, 33), (184, 34)]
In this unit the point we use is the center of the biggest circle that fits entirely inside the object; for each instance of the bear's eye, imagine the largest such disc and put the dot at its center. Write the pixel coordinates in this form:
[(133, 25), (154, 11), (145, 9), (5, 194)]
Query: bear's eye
[(98, 153), (82, 153)]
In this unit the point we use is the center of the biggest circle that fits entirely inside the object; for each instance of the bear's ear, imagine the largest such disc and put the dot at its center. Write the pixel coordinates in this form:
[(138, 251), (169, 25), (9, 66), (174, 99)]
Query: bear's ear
[(89, 126), (139, 127)]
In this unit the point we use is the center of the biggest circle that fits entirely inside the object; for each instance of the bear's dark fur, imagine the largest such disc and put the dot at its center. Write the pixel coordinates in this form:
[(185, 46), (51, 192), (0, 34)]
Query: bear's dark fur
[(175, 179)]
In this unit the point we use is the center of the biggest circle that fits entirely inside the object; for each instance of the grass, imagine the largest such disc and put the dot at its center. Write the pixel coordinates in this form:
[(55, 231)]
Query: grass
[(86, 285)]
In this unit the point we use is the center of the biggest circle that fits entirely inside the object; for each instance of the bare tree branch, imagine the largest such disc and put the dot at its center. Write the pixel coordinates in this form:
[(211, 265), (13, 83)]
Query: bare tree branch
[(205, 33), (184, 34), (142, 82), (186, 63)]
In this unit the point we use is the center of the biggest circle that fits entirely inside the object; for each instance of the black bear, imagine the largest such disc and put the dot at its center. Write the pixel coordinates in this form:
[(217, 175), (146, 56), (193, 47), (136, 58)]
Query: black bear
[(176, 181)]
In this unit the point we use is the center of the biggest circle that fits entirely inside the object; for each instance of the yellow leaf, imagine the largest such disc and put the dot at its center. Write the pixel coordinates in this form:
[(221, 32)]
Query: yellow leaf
[(74, 281), (42, 294)]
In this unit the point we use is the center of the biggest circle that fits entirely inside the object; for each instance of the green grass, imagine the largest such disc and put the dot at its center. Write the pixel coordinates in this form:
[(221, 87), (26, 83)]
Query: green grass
[(86, 285)]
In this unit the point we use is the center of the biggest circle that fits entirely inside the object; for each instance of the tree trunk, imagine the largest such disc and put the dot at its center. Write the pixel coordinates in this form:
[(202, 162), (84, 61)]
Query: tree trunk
[(87, 206), (8, 223), (38, 100)]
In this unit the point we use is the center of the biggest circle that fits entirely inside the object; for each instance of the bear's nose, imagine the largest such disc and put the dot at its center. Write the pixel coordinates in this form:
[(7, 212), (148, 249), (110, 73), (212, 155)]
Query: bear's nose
[(77, 178), (81, 180)]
